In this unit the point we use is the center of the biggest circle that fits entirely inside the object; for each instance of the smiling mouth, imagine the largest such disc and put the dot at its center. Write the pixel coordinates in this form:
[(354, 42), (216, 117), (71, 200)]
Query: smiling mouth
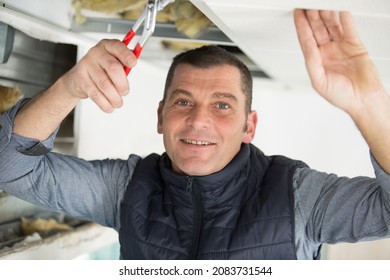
[(197, 143)]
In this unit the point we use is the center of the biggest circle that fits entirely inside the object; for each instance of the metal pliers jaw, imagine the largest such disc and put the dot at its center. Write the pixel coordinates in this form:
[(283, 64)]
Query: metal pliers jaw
[(148, 19)]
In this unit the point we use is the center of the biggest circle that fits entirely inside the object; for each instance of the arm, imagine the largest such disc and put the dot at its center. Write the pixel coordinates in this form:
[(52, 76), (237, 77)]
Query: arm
[(99, 75), (331, 209), (341, 71), (91, 190), (26, 135)]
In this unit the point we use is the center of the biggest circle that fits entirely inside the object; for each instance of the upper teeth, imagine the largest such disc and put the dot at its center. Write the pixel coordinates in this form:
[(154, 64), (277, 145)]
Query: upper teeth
[(189, 141)]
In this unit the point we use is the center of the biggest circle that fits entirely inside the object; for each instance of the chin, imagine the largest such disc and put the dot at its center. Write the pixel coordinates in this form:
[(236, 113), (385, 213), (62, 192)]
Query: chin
[(198, 170), (198, 173)]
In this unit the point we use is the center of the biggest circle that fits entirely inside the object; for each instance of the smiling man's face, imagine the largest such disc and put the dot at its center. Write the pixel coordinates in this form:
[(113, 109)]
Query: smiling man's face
[(203, 119)]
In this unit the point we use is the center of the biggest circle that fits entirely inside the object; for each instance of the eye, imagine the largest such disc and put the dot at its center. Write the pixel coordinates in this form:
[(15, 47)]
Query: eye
[(223, 106), (182, 102)]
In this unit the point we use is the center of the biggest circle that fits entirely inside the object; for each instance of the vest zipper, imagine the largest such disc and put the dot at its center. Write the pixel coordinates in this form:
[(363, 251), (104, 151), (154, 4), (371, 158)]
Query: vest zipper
[(198, 213)]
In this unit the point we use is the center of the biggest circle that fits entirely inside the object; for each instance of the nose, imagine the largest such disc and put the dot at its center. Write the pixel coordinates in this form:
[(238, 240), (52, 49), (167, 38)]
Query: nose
[(199, 117)]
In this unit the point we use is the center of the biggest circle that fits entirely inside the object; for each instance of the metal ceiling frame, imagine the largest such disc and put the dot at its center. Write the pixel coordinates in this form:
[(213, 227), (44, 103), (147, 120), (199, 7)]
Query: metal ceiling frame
[(210, 35)]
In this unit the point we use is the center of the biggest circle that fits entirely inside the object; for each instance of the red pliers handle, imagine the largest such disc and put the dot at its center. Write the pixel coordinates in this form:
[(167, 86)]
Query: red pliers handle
[(148, 19)]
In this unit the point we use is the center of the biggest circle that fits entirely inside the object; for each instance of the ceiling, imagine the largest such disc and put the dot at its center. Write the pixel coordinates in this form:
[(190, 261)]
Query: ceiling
[(262, 29), (265, 31)]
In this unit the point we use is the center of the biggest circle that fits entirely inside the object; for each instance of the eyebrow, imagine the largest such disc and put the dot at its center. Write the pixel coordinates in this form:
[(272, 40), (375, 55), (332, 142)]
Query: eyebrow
[(178, 92), (225, 95), (218, 95)]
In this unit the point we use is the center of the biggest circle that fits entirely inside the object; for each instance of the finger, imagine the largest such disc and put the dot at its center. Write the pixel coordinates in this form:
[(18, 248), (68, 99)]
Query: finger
[(106, 88), (318, 27), (98, 64), (349, 27), (118, 53), (79, 83), (107, 74), (99, 98), (115, 76), (332, 24), (306, 37), (305, 34), (96, 95), (309, 47)]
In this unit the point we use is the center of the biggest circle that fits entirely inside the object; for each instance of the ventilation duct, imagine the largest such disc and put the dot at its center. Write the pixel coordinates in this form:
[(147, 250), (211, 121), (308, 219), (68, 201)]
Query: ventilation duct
[(32, 64), (7, 34)]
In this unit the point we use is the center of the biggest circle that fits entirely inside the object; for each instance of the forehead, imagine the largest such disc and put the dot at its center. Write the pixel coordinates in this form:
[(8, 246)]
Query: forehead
[(216, 69), (220, 77)]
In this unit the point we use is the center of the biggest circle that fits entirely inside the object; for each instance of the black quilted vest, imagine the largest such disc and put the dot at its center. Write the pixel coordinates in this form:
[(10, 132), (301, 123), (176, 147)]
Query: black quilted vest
[(245, 211)]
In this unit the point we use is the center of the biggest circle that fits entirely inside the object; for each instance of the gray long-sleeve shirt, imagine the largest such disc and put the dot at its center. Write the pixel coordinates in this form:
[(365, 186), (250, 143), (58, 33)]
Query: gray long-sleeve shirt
[(328, 208)]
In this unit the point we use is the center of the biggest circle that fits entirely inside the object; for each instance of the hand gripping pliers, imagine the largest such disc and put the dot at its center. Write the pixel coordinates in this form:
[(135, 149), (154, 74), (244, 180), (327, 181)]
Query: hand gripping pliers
[(148, 19)]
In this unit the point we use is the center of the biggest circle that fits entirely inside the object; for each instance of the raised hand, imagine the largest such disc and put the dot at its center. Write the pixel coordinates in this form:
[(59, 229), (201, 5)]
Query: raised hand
[(342, 72), (99, 75), (337, 61)]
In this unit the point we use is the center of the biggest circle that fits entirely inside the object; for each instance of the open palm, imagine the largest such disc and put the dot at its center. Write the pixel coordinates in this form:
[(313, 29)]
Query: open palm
[(337, 62)]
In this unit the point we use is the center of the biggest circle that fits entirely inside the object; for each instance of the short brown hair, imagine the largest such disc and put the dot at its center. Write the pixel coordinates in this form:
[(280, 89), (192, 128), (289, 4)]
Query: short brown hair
[(210, 56)]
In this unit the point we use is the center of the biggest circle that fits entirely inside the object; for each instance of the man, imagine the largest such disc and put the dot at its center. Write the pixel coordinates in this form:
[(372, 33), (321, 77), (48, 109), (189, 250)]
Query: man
[(212, 195)]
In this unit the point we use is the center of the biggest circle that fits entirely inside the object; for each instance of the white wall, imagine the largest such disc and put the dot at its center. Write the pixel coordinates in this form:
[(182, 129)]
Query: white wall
[(300, 124)]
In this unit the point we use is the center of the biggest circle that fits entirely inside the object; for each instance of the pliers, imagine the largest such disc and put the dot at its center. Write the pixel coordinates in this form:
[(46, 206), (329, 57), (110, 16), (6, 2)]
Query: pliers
[(148, 19)]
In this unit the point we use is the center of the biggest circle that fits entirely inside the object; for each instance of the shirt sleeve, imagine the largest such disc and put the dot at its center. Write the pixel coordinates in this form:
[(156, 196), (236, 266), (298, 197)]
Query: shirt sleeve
[(331, 209), (90, 190)]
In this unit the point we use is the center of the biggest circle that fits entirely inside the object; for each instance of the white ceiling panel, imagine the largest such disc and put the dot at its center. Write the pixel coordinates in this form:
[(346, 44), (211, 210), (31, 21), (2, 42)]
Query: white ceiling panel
[(373, 7), (265, 31)]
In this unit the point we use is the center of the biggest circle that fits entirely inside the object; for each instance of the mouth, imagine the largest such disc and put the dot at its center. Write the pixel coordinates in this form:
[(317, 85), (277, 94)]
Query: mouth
[(197, 143)]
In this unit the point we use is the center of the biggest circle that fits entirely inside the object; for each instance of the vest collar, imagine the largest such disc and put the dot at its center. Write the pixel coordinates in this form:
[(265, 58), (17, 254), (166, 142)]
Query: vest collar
[(217, 188), (220, 177)]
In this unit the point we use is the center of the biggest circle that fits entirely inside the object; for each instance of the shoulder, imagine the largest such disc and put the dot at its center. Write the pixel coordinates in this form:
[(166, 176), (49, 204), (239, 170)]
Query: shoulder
[(286, 161)]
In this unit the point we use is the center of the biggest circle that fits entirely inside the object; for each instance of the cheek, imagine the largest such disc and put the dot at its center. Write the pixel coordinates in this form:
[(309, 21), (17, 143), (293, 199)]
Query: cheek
[(168, 123), (232, 124)]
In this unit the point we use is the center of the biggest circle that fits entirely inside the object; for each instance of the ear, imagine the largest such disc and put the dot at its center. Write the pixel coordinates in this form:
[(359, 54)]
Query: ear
[(251, 127), (159, 117)]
